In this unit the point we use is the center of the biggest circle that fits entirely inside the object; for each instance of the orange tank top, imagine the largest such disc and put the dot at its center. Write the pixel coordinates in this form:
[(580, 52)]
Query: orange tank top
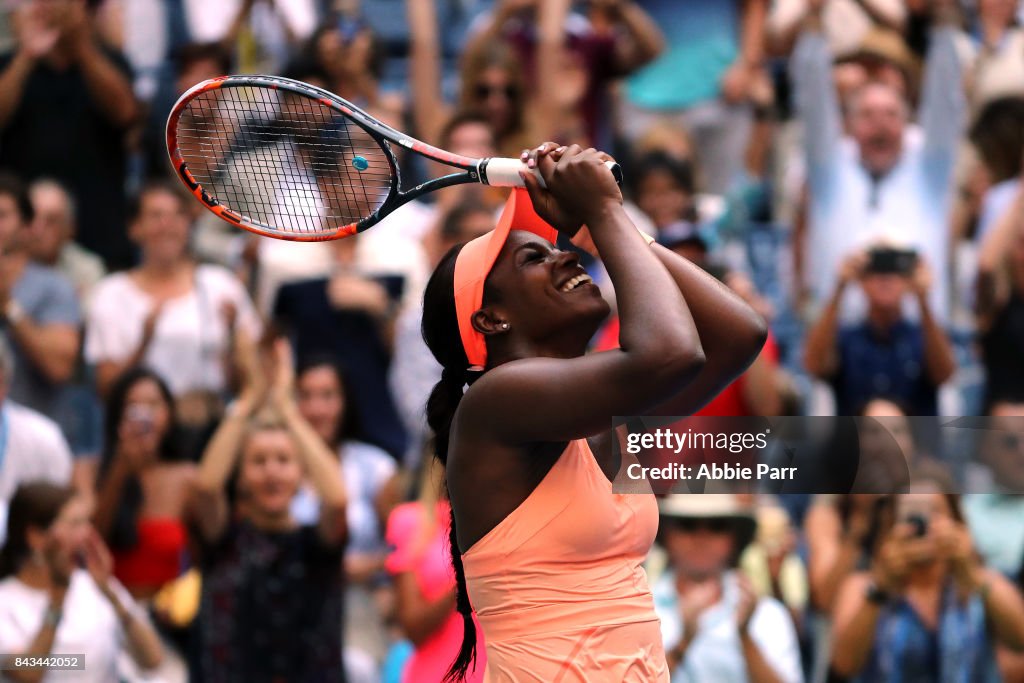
[(558, 585)]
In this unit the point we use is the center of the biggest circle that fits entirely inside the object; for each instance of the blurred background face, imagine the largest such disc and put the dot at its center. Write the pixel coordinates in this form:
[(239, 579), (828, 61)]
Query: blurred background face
[(1003, 446), (270, 471), (198, 70), (876, 121), (146, 408), (321, 401), (52, 225), (884, 291), (10, 223), (495, 95), (699, 548), (660, 197), (161, 228), (886, 448), (62, 542), (471, 139)]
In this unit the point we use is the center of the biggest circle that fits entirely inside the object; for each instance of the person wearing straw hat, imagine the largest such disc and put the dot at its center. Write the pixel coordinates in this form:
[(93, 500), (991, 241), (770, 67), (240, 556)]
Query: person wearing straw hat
[(715, 628)]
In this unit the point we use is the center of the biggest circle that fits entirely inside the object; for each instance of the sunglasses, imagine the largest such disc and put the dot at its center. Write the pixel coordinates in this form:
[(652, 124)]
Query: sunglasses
[(691, 525), (485, 90)]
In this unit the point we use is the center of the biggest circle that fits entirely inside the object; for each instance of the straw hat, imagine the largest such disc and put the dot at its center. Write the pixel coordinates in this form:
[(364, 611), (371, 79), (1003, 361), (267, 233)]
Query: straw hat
[(713, 506)]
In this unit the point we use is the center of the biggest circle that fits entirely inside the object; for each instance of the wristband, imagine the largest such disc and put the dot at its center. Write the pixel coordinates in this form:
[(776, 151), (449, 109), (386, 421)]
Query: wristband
[(53, 616)]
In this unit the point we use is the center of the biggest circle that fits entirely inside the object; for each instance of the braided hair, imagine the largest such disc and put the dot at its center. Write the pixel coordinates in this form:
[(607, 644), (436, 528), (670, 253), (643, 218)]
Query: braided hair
[(441, 334)]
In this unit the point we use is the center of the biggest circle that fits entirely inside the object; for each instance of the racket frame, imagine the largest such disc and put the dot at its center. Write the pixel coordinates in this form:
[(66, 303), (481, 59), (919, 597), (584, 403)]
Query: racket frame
[(472, 170)]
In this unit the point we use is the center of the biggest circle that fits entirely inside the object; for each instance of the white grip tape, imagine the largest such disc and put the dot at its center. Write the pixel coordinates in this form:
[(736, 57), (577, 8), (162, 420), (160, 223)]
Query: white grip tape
[(502, 172)]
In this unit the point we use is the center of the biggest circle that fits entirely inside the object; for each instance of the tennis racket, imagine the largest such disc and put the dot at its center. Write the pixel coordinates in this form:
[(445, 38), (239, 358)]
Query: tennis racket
[(288, 160)]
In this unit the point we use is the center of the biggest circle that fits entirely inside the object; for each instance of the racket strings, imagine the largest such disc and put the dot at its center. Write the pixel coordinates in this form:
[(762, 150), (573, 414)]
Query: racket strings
[(283, 160)]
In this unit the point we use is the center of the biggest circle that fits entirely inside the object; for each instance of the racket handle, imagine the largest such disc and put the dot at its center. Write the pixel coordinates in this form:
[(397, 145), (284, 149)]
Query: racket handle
[(502, 172)]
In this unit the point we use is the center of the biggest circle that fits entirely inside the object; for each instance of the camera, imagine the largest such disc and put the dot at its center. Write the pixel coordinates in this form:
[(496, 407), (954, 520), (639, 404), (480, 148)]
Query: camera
[(891, 260)]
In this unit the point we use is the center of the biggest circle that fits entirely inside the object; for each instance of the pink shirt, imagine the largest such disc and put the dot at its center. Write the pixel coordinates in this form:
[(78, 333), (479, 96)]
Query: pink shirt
[(424, 552)]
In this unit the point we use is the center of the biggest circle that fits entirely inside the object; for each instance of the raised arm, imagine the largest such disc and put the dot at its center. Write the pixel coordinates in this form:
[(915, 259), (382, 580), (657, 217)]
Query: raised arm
[(555, 399), (992, 286), (639, 41), (817, 103), (731, 333), (429, 110), (320, 465), (551, 16), (821, 357), (209, 505), (943, 101)]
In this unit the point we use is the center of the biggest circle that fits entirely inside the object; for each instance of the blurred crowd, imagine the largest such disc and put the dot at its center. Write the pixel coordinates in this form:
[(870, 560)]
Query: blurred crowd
[(214, 462)]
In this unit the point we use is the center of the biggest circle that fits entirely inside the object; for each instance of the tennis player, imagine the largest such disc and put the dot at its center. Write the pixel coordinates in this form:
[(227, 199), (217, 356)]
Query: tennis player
[(544, 552)]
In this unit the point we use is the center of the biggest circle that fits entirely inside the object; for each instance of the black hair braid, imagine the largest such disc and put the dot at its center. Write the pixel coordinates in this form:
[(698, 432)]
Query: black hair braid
[(441, 334)]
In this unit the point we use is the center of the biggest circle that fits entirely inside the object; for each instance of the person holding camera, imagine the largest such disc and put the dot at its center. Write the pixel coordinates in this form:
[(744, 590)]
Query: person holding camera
[(144, 480), (927, 609), (886, 353)]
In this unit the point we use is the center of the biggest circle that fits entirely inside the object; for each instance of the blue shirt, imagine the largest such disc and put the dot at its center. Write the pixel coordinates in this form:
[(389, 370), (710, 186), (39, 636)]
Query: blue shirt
[(890, 364), (905, 650), (702, 39)]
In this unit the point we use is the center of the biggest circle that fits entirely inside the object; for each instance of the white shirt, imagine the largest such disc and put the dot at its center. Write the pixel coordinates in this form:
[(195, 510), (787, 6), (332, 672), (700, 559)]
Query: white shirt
[(35, 450), (89, 626), (190, 336), (716, 654), (364, 469)]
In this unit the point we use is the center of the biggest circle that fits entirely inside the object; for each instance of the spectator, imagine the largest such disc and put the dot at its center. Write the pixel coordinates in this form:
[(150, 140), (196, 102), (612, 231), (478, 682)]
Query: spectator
[(169, 313), (884, 353), (413, 371), (715, 626), (65, 103), (278, 617), (997, 64), (998, 136), (492, 84), (349, 316), (41, 316), (425, 582), (52, 238), (370, 476), (48, 606), (888, 181), (351, 56), (144, 479), (1000, 304), (995, 511), (702, 81), (576, 55), (664, 190), (35, 448), (927, 609)]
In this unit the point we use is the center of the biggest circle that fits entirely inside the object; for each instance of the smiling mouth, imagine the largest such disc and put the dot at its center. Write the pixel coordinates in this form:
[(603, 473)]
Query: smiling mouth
[(581, 279)]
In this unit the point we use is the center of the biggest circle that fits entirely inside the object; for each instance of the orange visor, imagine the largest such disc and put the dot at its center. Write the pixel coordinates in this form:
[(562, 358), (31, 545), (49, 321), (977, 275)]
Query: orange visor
[(474, 263)]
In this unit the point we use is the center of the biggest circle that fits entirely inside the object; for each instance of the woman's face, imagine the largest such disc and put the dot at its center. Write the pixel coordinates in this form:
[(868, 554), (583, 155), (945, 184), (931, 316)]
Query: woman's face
[(496, 95), (321, 401), (62, 543), (660, 197), (529, 281), (161, 228), (270, 471), (886, 448), (146, 409)]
